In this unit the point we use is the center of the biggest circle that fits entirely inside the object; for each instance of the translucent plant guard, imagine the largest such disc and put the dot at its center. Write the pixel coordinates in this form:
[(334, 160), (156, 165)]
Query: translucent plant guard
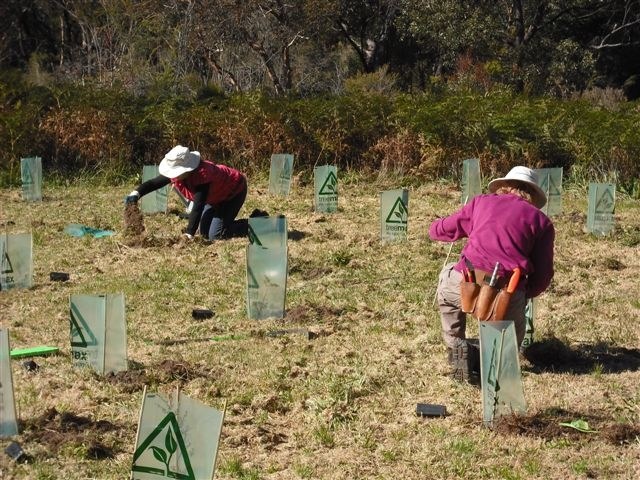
[(502, 392), (266, 281), (156, 201), (550, 181), (470, 184), (600, 209), (177, 438), (98, 332), (16, 261), (325, 181), (280, 173), (8, 421), (31, 176), (394, 215), (268, 232)]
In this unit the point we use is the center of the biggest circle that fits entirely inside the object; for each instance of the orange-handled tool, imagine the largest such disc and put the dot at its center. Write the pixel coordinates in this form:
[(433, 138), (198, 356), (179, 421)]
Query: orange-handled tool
[(513, 281)]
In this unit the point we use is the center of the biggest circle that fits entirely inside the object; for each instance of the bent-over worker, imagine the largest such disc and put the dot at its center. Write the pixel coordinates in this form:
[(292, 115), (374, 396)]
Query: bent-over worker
[(217, 191), (504, 227)]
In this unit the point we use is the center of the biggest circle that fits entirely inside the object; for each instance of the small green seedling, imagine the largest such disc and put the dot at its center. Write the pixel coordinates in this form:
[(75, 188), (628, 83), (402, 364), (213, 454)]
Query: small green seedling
[(580, 425)]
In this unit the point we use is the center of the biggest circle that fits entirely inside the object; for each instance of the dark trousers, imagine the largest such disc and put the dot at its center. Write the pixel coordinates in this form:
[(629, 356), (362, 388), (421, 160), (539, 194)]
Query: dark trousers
[(217, 221)]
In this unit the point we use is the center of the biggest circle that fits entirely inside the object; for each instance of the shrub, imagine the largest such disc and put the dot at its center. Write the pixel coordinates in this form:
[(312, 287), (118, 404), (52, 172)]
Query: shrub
[(21, 107), (368, 127)]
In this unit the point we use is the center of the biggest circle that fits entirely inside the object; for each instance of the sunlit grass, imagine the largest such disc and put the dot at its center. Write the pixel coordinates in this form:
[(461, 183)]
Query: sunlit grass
[(342, 405)]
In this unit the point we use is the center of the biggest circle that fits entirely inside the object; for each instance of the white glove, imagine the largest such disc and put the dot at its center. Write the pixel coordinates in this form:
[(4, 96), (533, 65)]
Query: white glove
[(133, 197)]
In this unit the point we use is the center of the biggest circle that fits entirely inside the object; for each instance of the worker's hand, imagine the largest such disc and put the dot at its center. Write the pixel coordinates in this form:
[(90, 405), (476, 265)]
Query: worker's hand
[(133, 197)]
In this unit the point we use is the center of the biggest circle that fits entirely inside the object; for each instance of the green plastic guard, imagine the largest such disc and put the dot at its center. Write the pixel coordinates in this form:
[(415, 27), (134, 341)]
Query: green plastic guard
[(33, 351)]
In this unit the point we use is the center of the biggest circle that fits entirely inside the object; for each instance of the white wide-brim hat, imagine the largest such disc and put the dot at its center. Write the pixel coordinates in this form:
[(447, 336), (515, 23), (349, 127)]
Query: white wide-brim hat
[(525, 177), (178, 161)]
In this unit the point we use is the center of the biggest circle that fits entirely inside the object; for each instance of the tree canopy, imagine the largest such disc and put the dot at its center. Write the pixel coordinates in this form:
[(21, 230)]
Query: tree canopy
[(310, 46)]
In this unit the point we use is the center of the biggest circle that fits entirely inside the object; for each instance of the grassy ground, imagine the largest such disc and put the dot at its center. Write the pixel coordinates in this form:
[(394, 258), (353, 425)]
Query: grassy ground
[(340, 406)]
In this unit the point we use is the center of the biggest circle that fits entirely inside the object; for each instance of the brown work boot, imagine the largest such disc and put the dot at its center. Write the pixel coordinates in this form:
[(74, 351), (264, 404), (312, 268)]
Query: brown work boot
[(464, 359)]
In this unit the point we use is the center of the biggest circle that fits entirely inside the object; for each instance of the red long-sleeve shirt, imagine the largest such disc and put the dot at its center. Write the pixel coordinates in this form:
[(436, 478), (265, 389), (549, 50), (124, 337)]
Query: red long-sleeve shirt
[(209, 184)]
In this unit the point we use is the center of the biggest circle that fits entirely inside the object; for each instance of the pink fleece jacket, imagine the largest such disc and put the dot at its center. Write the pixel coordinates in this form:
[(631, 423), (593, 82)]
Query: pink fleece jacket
[(502, 228)]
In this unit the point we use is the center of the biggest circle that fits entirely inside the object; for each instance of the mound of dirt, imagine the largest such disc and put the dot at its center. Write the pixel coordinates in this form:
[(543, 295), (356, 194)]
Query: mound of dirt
[(620, 434), (546, 425), (133, 225), (166, 371), (170, 370), (129, 381), (55, 430), (303, 314)]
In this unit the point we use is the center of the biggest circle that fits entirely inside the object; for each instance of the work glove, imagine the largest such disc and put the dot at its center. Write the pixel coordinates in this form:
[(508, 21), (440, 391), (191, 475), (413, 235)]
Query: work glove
[(133, 197), (188, 236)]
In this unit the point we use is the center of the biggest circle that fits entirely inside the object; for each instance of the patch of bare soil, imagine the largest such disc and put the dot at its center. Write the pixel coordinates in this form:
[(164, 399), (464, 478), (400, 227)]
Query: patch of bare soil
[(314, 273), (296, 235), (56, 430), (170, 370), (166, 371), (304, 314), (613, 264), (621, 434), (546, 425), (308, 271), (129, 381), (133, 225), (551, 354)]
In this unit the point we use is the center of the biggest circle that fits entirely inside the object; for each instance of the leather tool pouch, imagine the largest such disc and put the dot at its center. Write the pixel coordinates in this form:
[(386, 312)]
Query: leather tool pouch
[(468, 295), (485, 302), (501, 305)]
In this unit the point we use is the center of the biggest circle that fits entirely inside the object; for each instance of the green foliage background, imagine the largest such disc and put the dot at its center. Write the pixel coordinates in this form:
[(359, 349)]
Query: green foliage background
[(108, 133)]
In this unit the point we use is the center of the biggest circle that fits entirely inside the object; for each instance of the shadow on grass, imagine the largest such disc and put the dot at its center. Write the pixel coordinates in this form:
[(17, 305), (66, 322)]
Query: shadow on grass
[(296, 235), (551, 355)]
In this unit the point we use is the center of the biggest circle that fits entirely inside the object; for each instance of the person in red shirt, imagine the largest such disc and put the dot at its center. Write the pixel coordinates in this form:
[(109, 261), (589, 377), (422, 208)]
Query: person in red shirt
[(217, 192), (505, 230)]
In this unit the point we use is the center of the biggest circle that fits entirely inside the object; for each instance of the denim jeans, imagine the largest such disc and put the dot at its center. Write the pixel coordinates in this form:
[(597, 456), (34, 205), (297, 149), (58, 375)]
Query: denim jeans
[(217, 220)]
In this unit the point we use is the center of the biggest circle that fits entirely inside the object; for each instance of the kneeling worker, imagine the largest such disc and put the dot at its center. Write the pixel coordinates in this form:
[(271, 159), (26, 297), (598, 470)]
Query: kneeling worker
[(217, 191)]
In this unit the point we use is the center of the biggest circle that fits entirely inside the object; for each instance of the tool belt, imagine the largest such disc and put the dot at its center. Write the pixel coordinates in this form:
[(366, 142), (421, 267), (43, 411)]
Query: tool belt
[(483, 301)]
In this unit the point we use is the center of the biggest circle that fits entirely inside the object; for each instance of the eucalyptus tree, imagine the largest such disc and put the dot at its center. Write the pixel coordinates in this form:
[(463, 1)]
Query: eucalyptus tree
[(246, 42), (533, 45)]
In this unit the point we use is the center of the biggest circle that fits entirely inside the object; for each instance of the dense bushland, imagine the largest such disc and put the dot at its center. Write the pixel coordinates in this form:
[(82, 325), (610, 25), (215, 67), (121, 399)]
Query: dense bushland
[(110, 133)]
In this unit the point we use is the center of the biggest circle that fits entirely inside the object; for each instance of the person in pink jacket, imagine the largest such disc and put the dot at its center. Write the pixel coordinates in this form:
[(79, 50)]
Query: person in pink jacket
[(217, 192), (505, 228)]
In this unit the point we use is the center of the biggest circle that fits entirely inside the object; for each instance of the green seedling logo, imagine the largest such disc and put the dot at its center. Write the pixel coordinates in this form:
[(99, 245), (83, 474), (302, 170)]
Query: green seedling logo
[(492, 377), (27, 177), (330, 185), (172, 442), (6, 264), (285, 172), (81, 334), (605, 202), (549, 186), (399, 212)]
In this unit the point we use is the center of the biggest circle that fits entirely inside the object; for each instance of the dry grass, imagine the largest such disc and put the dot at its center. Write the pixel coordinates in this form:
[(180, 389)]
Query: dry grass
[(341, 405)]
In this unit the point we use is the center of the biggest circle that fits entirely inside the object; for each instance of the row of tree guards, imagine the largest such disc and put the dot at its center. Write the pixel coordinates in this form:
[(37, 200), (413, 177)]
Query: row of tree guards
[(601, 196), (175, 433)]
